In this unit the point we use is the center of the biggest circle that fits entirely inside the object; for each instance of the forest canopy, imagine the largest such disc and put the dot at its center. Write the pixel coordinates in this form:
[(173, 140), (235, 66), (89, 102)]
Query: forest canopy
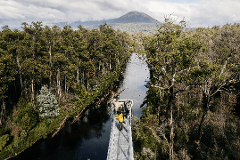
[(193, 96), (49, 74)]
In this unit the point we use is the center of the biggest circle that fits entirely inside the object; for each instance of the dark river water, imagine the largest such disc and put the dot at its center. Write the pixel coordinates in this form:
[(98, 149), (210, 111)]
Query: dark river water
[(88, 138)]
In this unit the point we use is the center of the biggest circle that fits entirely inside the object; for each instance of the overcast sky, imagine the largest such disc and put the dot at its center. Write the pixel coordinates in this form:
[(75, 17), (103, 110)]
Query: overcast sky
[(198, 13)]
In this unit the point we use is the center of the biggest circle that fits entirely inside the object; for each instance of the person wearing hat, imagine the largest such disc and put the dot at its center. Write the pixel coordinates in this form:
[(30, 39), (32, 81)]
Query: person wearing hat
[(120, 117)]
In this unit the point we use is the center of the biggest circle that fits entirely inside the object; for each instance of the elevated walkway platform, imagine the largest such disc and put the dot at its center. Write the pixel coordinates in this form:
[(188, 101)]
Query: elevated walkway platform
[(120, 143)]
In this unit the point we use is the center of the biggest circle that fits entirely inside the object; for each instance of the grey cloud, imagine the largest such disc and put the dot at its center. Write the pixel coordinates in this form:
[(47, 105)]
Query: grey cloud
[(203, 12), (63, 10)]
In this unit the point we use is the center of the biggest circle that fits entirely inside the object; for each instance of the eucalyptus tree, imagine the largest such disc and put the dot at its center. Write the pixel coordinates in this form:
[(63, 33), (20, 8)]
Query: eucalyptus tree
[(218, 68), (94, 47), (82, 50), (80, 54), (35, 58), (60, 63), (49, 35), (76, 59), (171, 55), (68, 48), (8, 72), (108, 44), (53, 41), (13, 46)]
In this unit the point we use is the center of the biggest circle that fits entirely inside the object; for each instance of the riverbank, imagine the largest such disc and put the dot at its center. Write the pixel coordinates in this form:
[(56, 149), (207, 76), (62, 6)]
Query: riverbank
[(88, 137), (50, 126)]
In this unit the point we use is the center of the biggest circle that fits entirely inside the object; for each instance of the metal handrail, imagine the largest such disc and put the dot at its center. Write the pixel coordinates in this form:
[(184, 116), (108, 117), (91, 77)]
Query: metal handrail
[(130, 135)]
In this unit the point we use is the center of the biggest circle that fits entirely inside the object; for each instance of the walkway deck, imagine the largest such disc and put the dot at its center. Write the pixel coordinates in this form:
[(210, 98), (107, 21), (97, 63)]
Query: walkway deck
[(120, 143)]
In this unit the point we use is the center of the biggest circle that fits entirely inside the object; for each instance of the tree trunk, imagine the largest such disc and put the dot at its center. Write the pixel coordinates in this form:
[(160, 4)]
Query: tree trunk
[(110, 66), (26, 90), (77, 74), (33, 39), (20, 73), (3, 110), (32, 99), (32, 85), (87, 83), (206, 100), (171, 137), (160, 100), (58, 83), (50, 80), (83, 78), (170, 105), (99, 70), (50, 66), (65, 85)]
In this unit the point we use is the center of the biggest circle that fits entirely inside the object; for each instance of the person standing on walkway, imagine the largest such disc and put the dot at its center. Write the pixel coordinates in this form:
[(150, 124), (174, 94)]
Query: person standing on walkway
[(117, 106), (120, 117)]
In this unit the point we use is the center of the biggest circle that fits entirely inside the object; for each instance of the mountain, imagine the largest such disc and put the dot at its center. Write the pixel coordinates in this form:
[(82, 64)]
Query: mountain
[(134, 17), (131, 22)]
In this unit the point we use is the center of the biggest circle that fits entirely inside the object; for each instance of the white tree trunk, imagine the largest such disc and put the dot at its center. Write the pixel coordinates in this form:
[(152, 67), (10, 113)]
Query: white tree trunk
[(65, 86), (50, 65), (77, 74), (20, 72), (83, 78), (171, 137), (32, 86), (58, 83), (110, 64)]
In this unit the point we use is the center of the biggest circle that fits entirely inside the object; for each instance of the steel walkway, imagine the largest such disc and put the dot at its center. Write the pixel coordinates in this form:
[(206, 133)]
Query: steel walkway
[(120, 143)]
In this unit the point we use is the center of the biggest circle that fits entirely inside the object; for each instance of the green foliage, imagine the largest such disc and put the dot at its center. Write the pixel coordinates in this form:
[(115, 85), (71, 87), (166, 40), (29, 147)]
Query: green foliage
[(193, 74), (26, 117), (143, 136), (7, 71), (41, 131), (181, 136), (81, 92), (3, 141), (3, 129)]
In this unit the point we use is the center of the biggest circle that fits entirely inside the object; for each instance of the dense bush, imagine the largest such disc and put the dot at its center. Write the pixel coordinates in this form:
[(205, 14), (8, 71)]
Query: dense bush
[(26, 117), (52, 73)]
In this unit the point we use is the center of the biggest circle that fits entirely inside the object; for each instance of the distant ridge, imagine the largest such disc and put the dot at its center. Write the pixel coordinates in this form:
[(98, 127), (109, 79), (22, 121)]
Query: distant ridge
[(133, 21)]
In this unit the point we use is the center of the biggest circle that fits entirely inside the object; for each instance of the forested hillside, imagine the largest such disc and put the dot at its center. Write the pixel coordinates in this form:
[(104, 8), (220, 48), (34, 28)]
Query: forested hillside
[(132, 28), (51, 74), (193, 96)]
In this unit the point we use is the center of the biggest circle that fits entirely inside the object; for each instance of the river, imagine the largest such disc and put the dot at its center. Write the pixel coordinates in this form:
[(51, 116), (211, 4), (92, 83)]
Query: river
[(88, 138)]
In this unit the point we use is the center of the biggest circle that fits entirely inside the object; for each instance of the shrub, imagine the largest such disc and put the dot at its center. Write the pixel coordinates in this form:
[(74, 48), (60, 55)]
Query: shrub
[(48, 103), (3, 141), (26, 116)]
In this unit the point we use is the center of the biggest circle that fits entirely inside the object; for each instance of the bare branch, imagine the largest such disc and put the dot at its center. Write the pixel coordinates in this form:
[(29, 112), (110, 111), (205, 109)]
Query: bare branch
[(160, 87), (183, 70), (219, 89), (180, 91)]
